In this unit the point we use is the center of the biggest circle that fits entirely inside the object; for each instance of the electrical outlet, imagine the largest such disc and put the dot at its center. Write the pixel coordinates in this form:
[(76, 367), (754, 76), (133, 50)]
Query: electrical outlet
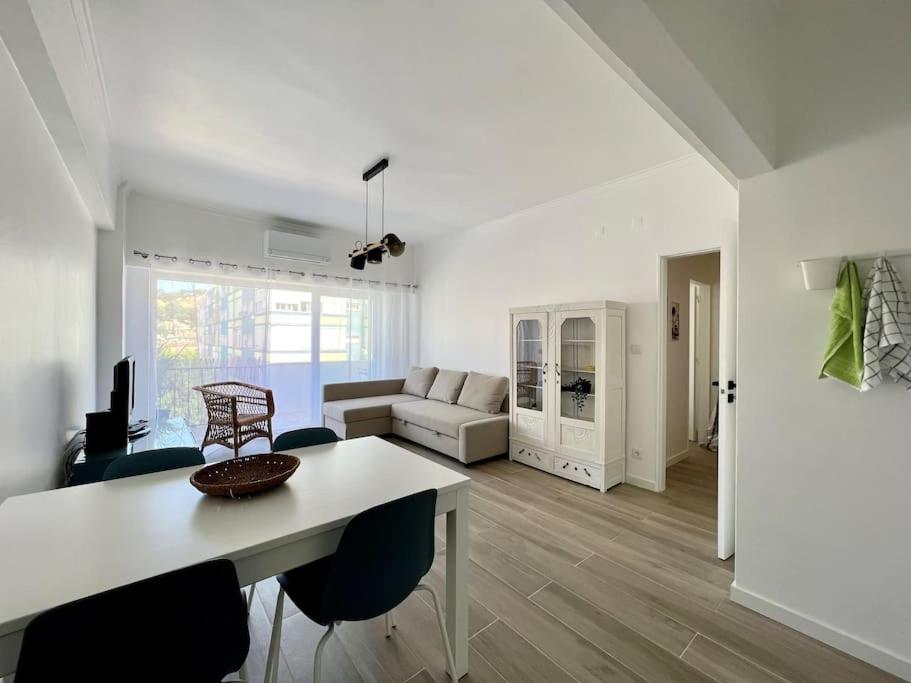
[(635, 454)]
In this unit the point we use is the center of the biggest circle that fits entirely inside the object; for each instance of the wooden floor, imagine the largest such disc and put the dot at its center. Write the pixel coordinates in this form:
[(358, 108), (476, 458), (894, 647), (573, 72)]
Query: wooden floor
[(568, 584)]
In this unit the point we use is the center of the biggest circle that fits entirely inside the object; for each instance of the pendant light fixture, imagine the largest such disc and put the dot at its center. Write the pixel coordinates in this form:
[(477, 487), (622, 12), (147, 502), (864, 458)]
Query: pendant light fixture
[(372, 252)]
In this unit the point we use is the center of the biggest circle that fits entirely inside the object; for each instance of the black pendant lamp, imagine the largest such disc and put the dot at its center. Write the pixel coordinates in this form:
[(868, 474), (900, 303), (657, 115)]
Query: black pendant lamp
[(372, 252)]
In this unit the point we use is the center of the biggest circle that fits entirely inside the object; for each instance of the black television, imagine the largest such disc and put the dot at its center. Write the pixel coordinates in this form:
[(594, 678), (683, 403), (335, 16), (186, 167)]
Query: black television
[(108, 430), (123, 395)]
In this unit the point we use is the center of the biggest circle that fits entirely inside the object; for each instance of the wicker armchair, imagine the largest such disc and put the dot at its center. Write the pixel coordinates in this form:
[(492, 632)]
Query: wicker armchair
[(238, 413)]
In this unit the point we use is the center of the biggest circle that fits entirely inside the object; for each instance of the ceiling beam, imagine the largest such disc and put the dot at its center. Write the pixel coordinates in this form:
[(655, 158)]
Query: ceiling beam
[(628, 36), (20, 33)]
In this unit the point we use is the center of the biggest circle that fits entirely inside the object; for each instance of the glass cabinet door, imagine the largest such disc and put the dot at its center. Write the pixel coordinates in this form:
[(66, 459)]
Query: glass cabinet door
[(529, 360), (577, 369)]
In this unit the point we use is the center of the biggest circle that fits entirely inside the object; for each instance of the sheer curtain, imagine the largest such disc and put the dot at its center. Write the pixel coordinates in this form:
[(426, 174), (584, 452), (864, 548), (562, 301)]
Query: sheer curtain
[(292, 337)]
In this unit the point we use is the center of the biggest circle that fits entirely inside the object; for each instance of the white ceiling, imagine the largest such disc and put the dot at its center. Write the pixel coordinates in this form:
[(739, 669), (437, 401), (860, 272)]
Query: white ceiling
[(484, 108)]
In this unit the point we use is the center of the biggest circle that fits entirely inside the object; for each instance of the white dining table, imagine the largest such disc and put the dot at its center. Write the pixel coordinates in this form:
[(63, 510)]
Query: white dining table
[(65, 544)]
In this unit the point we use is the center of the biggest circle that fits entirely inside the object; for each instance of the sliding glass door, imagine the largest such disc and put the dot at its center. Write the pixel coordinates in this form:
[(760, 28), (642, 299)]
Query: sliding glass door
[(290, 339)]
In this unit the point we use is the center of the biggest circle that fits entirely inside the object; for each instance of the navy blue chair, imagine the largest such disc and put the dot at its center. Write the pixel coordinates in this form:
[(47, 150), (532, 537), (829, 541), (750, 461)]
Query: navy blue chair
[(188, 625), (157, 460), (301, 438), (381, 558)]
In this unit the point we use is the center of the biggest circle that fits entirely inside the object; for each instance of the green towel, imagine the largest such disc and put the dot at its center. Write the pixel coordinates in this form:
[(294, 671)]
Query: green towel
[(844, 357)]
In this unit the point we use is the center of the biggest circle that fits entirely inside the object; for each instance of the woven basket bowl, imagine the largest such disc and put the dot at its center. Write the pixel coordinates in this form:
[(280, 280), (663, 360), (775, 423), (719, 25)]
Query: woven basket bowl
[(244, 476)]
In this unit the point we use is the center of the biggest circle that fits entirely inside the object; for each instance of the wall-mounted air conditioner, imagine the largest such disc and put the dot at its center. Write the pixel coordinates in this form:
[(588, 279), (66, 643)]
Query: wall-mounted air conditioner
[(294, 247)]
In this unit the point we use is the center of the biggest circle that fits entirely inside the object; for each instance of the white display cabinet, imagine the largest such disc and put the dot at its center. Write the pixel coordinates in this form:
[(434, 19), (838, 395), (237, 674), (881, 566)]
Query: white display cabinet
[(568, 393)]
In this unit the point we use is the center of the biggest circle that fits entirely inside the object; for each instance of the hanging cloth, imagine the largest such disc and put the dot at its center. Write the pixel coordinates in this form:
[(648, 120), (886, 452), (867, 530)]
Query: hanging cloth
[(887, 336), (844, 357)]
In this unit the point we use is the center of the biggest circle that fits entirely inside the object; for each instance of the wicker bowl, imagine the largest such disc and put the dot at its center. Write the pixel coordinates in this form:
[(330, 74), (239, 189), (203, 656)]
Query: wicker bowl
[(244, 476)]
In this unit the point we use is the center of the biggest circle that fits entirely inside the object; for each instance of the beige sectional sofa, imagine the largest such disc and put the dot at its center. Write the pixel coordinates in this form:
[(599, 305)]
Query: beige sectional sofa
[(464, 415)]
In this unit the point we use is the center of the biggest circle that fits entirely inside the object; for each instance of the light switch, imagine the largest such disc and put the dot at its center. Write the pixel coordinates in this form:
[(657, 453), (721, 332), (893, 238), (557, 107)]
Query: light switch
[(635, 349)]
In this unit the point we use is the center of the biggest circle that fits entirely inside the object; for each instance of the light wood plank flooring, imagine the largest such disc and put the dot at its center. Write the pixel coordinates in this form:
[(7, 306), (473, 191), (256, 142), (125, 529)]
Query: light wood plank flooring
[(568, 584)]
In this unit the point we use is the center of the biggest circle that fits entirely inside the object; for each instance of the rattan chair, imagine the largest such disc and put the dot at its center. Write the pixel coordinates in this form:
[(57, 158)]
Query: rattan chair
[(238, 413)]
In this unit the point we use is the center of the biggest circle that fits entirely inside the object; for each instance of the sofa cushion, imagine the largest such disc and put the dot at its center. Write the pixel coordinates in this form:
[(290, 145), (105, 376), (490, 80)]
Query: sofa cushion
[(447, 386), (419, 381), (483, 392), (436, 415), (366, 408)]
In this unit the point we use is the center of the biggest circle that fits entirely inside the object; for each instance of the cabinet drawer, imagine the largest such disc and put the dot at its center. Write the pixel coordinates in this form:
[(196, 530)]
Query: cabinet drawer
[(584, 473), (532, 456)]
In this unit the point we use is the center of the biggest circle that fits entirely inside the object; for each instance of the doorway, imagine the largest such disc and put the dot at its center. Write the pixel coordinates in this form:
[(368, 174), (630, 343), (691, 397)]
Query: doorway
[(691, 354), (696, 346)]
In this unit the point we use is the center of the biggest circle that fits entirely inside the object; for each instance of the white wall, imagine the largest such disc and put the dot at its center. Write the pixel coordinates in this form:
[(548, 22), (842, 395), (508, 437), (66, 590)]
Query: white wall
[(586, 246), (824, 472), (165, 226), (109, 303), (47, 273), (705, 268)]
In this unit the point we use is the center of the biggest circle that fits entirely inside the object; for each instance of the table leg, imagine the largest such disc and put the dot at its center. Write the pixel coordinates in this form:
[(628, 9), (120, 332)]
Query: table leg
[(457, 581)]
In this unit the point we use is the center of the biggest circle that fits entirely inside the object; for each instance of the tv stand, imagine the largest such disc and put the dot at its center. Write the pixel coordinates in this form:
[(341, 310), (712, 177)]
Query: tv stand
[(80, 467)]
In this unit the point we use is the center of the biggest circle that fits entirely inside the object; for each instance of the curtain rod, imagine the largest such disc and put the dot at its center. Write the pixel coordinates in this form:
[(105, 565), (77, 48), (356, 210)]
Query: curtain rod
[(207, 263)]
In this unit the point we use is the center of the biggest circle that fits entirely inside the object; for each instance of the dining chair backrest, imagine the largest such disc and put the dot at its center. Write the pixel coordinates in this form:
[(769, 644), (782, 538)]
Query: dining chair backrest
[(383, 554), (157, 460), (301, 438), (190, 624)]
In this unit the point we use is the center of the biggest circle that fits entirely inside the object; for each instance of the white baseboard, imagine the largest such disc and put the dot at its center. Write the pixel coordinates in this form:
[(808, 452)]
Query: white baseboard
[(677, 457), (884, 659), (647, 484)]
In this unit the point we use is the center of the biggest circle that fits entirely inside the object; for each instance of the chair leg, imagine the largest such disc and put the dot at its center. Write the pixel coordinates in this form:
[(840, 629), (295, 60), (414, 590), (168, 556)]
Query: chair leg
[(250, 599), (450, 662), (390, 622), (318, 655), (276, 641)]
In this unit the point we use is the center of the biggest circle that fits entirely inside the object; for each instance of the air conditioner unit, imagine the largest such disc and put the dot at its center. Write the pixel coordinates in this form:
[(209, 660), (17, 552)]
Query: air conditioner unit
[(294, 247)]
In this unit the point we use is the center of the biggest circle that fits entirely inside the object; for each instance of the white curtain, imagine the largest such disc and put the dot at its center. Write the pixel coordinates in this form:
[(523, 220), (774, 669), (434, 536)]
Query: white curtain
[(290, 336)]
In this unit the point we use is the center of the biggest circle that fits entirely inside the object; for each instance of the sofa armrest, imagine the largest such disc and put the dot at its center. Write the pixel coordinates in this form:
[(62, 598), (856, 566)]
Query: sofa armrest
[(373, 387), (483, 438)]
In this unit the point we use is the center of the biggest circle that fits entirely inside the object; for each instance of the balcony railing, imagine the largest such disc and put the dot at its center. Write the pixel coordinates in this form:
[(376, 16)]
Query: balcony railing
[(295, 386)]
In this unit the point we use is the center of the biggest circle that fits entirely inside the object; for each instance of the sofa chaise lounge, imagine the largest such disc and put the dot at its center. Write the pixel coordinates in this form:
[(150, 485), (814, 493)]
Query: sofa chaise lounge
[(464, 415)]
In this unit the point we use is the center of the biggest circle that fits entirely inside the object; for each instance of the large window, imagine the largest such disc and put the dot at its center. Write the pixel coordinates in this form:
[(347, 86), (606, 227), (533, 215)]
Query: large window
[(292, 340)]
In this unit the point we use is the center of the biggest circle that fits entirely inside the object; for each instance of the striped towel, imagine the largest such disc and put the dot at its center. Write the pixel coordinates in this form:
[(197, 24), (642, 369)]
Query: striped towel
[(887, 335)]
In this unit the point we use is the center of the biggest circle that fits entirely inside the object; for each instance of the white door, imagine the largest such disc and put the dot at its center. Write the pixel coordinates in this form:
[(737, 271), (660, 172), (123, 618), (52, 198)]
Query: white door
[(529, 393), (700, 355), (727, 388), (579, 366)]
